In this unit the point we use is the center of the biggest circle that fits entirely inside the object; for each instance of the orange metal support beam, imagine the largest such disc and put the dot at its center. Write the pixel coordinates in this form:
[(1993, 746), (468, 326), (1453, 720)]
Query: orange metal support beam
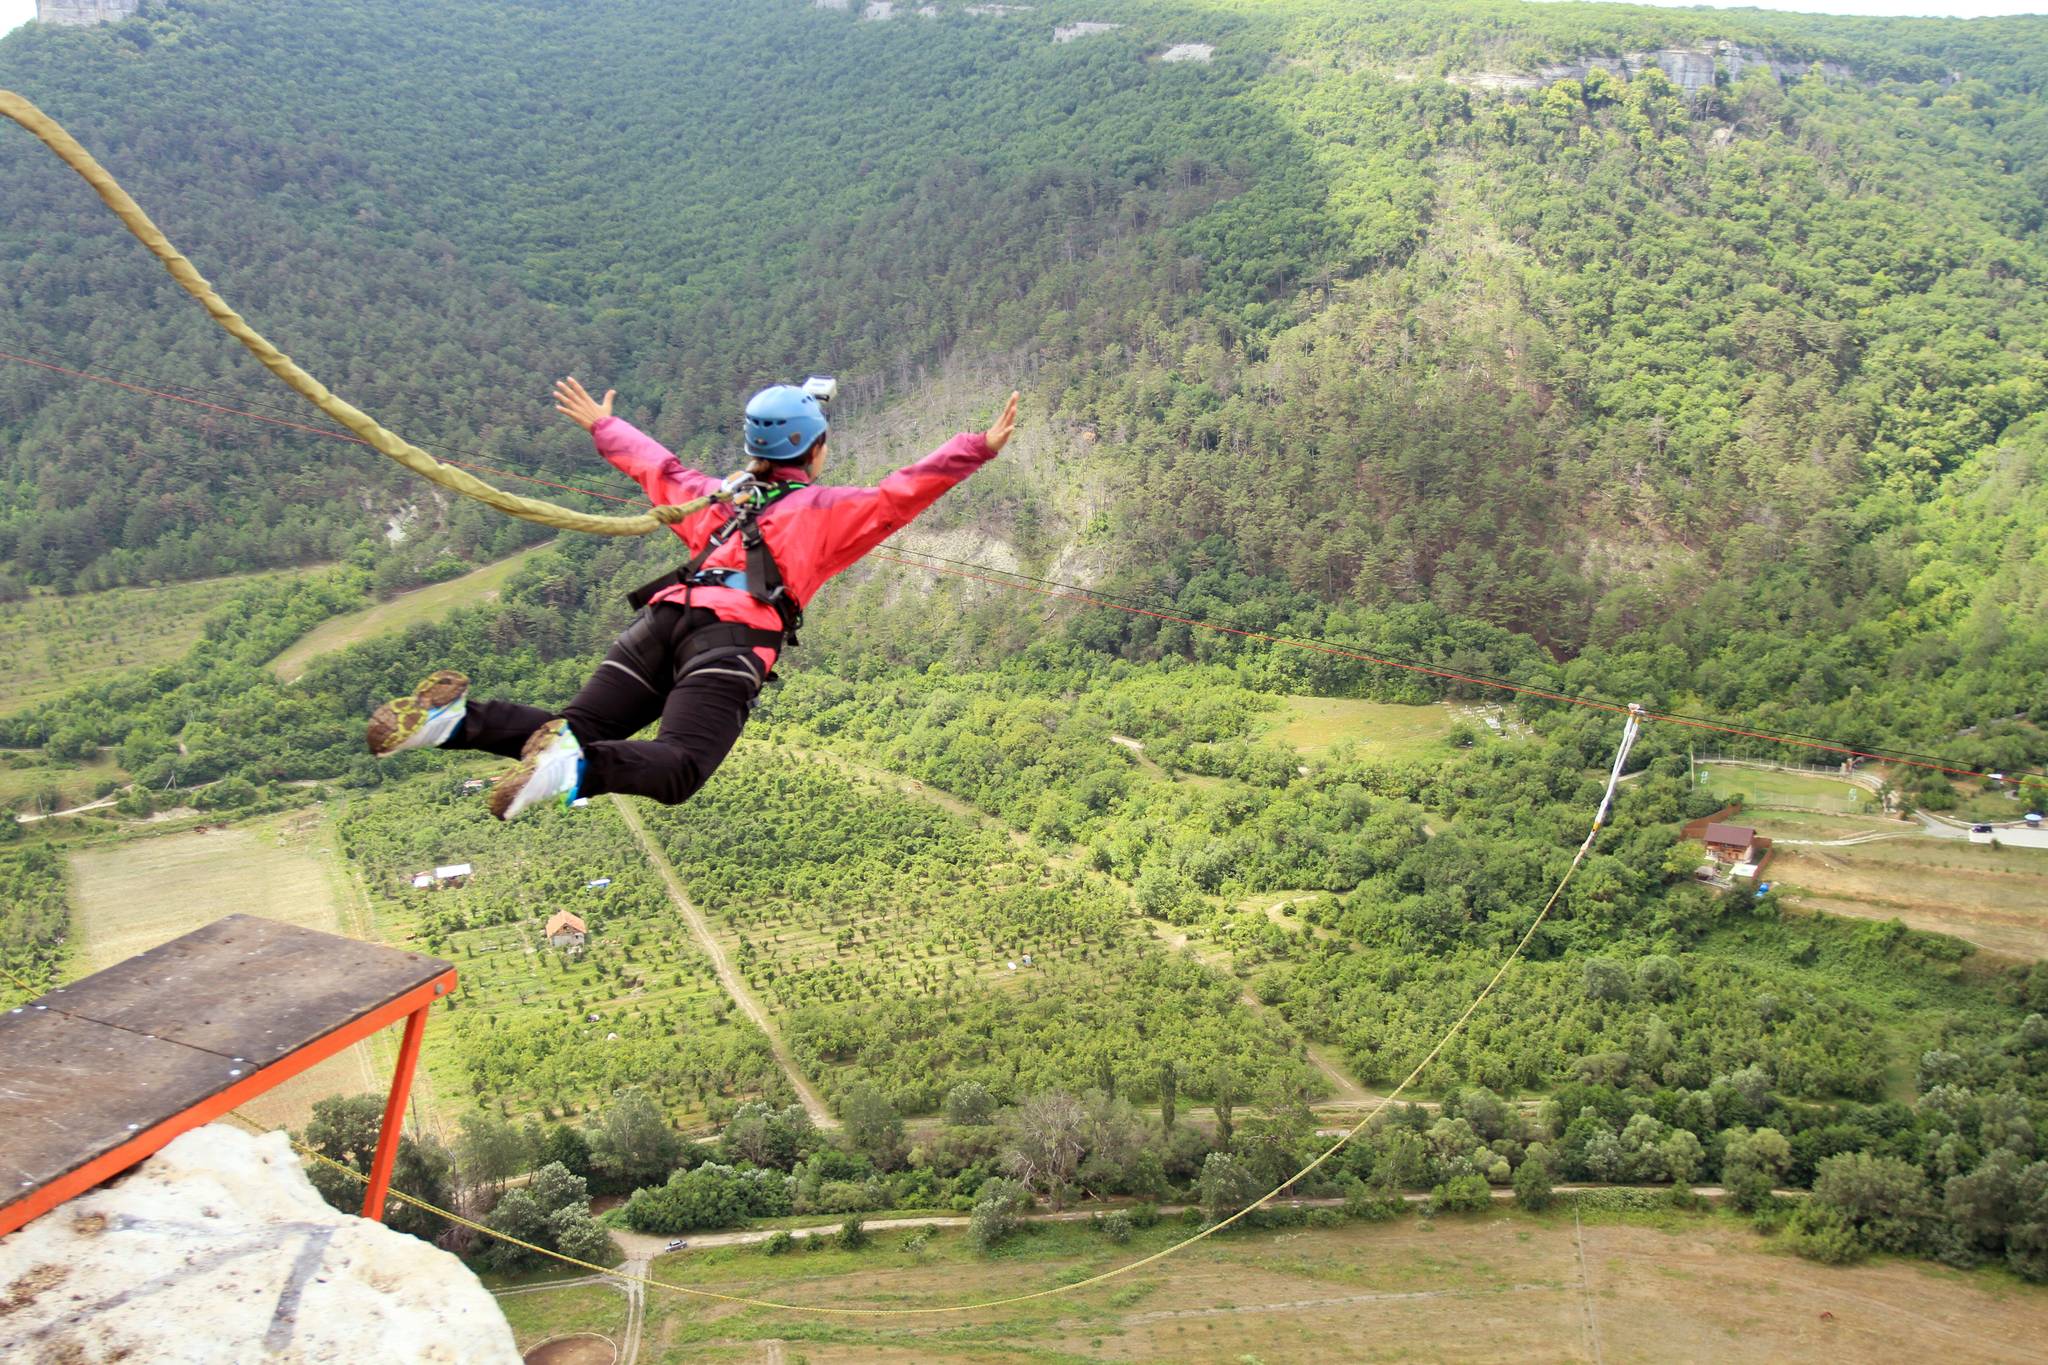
[(394, 1115), (412, 1006)]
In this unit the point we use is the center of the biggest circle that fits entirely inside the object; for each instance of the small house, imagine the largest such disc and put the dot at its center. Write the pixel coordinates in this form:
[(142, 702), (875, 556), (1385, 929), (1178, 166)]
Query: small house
[(598, 885), (454, 874), (1732, 844), (422, 880), (566, 930)]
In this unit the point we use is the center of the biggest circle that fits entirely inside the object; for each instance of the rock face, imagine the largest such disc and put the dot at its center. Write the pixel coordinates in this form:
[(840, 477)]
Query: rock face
[(83, 11), (1690, 69), (218, 1249)]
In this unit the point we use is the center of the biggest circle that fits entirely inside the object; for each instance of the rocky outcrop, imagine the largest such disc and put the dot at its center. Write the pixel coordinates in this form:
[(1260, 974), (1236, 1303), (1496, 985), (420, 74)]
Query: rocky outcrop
[(218, 1249), (83, 11), (1690, 68)]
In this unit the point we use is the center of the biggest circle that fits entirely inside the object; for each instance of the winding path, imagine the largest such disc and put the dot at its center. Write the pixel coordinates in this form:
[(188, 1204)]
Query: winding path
[(728, 977)]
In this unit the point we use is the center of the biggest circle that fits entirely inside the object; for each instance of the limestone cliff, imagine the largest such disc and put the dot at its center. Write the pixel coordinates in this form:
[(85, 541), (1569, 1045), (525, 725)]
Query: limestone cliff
[(218, 1249), (83, 11)]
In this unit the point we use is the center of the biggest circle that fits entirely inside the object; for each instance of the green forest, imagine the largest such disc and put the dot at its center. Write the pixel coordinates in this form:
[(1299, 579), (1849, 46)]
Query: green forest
[(1477, 334)]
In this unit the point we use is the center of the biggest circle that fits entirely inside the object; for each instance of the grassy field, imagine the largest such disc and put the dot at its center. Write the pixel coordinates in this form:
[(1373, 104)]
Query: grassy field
[(406, 609), (1996, 898), (1498, 1286), (1767, 788), (53, 644), (538, 1314), (26, 775), (130, 896), (1312, 726)]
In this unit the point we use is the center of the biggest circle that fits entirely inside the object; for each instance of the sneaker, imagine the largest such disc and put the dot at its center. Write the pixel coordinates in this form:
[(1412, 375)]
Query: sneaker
[(550, 767), (423, 720)]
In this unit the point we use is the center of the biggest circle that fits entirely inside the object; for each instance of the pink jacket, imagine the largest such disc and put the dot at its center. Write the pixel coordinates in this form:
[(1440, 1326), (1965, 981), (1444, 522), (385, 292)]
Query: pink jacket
[(814, 533)]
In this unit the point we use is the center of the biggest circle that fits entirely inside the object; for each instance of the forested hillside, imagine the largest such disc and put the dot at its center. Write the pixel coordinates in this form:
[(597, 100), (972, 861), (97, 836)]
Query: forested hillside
[(1693, 379), (1696, 359)]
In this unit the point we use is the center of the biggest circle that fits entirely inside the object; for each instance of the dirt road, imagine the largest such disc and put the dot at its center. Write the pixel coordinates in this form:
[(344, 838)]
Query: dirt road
[(728, 977)]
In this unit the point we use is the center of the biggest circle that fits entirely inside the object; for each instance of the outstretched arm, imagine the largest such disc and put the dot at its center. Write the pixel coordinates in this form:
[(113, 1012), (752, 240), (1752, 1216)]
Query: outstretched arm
[(637, 455), (863, 518)]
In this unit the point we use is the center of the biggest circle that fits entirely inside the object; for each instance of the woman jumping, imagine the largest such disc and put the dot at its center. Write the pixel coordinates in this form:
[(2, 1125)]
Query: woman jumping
[(707, 634)]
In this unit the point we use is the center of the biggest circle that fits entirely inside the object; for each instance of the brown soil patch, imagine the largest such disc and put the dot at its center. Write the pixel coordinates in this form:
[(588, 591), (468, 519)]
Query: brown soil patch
[(585, 1350), (1502, 1287), (1994, 898)]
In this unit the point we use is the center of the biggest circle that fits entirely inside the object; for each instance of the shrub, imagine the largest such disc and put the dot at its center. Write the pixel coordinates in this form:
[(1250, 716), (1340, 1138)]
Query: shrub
[(779, 1243), (853, 1235), (1117, 1227)]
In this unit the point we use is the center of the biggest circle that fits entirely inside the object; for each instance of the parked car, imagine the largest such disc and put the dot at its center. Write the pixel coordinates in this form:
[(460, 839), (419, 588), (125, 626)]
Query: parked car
[(677, 1245), (1980, 829)]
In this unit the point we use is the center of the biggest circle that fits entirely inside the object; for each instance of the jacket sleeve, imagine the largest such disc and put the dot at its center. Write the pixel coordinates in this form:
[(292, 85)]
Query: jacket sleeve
[(858, 519), (648, 463)]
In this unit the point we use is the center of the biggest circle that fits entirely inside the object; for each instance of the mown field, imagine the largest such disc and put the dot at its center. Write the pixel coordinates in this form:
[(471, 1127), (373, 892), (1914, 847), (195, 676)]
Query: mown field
[(1995, 898), (533, 1029), (539, 1315), (28, 778), (407, 609), (130, 896), (1768, 788), (1312, 726), (53, 644), (1498, 1286)]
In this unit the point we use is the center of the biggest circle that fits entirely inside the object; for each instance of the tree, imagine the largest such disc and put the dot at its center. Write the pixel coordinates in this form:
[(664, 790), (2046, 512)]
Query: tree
[(633, 1144), (853, 1234), (1533, 1180), (1169, 1075), (969, 1105), (345, 1129), (1223, 1087), (1225, 1186), (1043, 1143), (489, 1150), (1883, 1201), (873, 1126), (554, 1188), (1752, 1164)]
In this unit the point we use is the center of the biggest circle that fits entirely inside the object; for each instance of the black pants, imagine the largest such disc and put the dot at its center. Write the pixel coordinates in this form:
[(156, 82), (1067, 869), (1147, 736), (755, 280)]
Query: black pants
[(701, 715)]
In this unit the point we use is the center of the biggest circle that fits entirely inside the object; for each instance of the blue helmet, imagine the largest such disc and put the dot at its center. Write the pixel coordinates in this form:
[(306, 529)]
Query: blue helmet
[(783, 423)]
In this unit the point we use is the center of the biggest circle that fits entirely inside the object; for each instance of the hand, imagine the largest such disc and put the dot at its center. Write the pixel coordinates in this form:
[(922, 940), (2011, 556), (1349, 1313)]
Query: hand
[(574, 402), (998, 435)]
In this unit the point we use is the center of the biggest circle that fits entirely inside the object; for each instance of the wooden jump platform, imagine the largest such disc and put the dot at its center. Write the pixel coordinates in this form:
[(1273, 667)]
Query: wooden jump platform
[(99, 1074)]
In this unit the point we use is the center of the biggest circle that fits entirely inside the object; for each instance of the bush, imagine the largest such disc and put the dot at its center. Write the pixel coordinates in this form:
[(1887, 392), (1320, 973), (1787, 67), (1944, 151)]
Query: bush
[(853, 1235), (996, 1213), (1145, 1216), (779, 1243), (1461, 1194), (1117, 1227)]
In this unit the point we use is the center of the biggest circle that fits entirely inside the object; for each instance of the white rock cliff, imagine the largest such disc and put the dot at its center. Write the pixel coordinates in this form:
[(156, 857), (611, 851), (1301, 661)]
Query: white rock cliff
[(218, 1249)]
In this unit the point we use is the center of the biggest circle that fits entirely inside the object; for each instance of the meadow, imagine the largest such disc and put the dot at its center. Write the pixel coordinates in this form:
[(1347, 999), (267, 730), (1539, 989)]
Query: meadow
[(55, 643), (29, 777), (1995, 898), (1312, 726), (1774, 789), (408, 609), (1500, 1285)]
